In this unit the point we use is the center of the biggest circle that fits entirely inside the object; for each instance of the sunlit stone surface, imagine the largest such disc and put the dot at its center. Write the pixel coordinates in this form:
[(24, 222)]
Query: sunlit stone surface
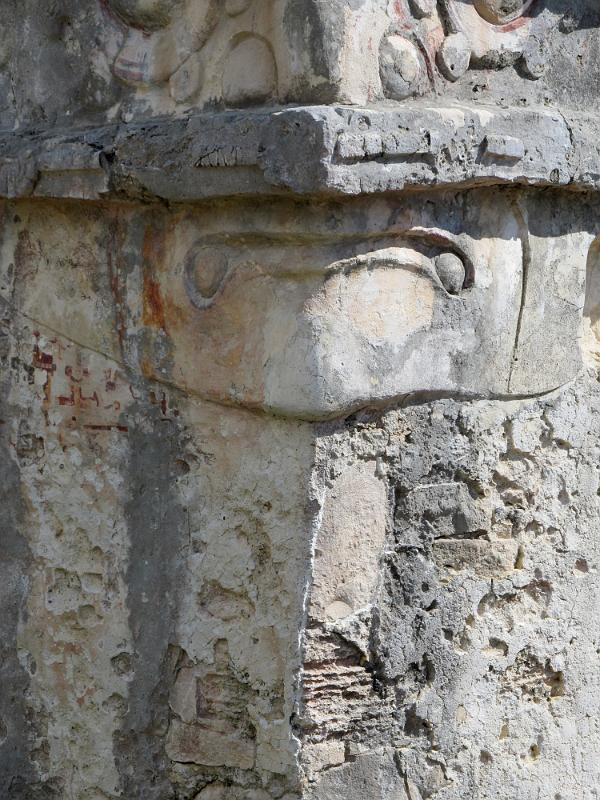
[(299, 400)]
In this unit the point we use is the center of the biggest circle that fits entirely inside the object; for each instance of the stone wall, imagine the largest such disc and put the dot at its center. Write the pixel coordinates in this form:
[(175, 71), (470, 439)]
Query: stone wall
[(299, 400)]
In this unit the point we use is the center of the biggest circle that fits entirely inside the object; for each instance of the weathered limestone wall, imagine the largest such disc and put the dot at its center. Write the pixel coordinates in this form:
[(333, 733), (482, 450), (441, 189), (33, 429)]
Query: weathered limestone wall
[(161, 548), (299, 403), (464, 661)]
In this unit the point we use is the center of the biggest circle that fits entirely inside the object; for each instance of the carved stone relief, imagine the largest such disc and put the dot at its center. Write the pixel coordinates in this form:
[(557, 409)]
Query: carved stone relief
[(164, 45), (313, 315), (225, 53), (320, 323), (160, 37), (300, 406), (404, 545), (448, 37)]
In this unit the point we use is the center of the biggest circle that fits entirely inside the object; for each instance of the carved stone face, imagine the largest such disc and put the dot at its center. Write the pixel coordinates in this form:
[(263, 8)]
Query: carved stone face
[(146, 14), (313, 315), (500, 12), (316, 311)]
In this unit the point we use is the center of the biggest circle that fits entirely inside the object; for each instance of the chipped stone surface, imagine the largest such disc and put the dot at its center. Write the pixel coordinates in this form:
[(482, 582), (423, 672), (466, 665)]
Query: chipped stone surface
[(299, 400), (474, 662)]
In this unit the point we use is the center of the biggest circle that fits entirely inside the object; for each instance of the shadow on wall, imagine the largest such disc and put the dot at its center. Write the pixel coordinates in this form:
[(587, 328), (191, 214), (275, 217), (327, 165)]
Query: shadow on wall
[(591, 309)]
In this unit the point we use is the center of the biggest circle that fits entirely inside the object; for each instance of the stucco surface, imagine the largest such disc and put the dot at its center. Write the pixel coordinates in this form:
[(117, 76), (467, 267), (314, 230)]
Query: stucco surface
[(299, 400)]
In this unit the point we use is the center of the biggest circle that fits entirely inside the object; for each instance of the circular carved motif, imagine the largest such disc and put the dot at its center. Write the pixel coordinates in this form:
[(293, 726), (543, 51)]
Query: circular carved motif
[(454, 56), (205, 272), (501, 12)]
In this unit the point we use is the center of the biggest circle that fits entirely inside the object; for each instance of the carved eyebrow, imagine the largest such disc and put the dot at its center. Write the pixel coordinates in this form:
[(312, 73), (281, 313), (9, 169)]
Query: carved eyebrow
[(330, 263), (441, 238), (392, 256), (432, 237)]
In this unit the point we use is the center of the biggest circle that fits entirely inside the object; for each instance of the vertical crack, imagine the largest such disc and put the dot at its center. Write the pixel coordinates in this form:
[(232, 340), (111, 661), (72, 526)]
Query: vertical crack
[(523, 222)]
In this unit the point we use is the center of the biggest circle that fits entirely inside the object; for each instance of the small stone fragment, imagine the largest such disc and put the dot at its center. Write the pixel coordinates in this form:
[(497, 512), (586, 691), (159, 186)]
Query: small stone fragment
[(422, 8), (454, 56), (399, 67), (504, 147), (500, 12), (534, 59)]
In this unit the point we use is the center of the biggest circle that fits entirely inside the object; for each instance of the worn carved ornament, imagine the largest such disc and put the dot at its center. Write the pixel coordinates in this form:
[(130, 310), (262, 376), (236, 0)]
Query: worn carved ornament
[(148, 15), (195, 48), (446, 39), (161, 36), (501, 12)]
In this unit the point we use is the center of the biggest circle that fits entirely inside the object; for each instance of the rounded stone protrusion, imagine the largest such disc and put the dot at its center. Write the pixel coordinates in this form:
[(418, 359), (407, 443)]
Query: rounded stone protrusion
[(205, 272), (534, 59), (145, 14), (451, 272), (423, 8), (399, 67), (250, 75), (235, 7), (500, 12), (454, 56)]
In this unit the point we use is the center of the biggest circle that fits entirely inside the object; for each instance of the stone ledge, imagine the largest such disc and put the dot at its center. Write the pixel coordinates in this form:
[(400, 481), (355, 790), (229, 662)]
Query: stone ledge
[(306, 150)]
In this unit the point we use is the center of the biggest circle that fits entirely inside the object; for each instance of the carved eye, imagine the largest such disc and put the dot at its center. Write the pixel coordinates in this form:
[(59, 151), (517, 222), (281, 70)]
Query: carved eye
[(499, 12), (146, 14), (451, 272)]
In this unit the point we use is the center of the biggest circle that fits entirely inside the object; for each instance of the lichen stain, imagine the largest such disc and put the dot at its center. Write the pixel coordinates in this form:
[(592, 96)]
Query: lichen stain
[(115, 272), (154, 312), (154, 255), (27, 255)]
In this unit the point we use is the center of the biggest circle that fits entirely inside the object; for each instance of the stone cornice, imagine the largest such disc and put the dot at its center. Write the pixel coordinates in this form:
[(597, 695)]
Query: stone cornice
[(313, 150)]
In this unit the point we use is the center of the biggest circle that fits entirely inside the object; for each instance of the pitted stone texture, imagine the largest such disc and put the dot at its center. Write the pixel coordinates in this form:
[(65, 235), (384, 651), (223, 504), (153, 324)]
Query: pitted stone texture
[(462, 675), (299, 491), (150, 642), (208, 599), (310, 151)]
